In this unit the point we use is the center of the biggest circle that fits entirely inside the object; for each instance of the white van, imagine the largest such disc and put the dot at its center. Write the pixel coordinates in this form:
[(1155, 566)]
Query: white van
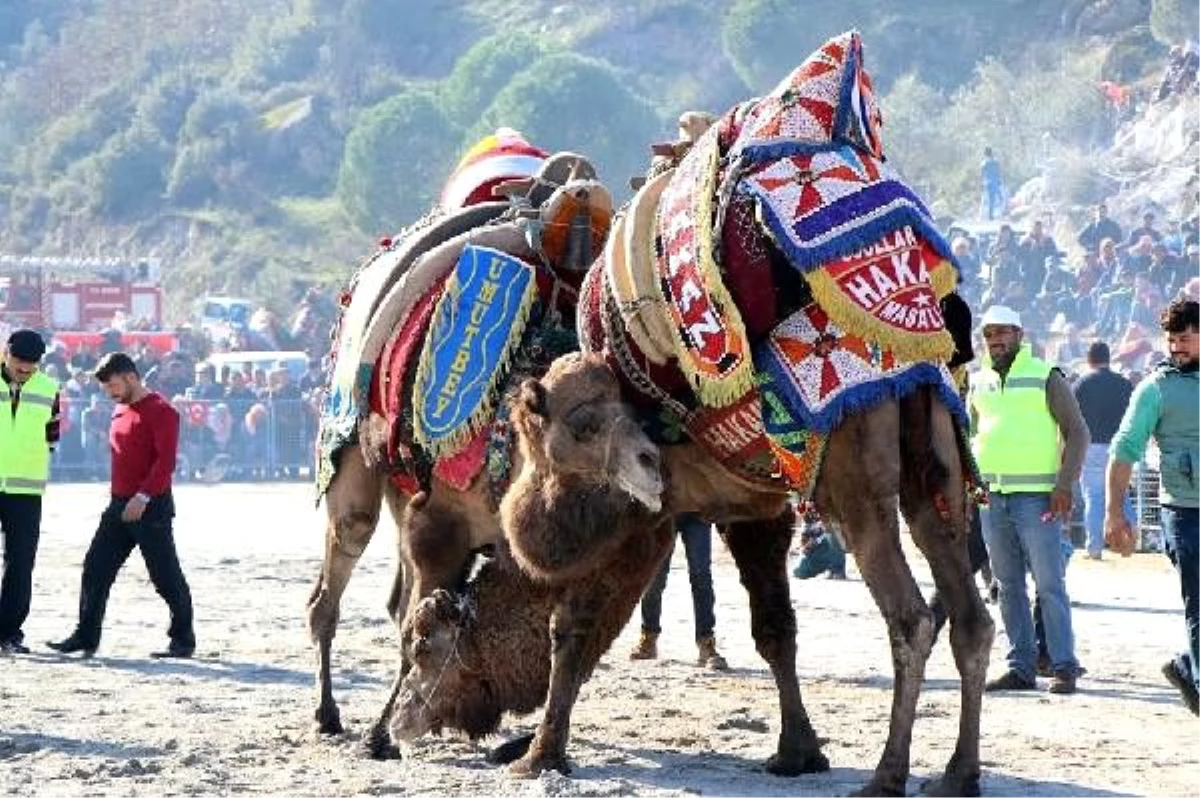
[(219, 315)]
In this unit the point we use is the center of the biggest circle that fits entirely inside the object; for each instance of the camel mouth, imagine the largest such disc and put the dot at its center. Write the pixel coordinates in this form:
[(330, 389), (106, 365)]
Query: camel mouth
[(411, 717), (647, 493)]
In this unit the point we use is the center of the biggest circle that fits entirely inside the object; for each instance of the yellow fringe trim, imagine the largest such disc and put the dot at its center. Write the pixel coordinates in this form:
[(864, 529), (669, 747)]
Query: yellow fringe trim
[(725, 390), (934, 346)]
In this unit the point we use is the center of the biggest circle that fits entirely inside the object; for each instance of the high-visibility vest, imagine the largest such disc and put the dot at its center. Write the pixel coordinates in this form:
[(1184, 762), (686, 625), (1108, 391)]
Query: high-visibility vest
[(1017, 442), (24, 452)]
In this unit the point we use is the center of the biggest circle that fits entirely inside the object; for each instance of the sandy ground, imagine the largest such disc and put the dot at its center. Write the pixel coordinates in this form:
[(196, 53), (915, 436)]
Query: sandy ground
[(237, 719)]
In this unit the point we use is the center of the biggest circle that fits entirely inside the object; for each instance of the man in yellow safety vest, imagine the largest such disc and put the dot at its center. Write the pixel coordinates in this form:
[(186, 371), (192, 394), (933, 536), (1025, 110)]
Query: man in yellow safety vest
[(1029, 440), (28, 433)]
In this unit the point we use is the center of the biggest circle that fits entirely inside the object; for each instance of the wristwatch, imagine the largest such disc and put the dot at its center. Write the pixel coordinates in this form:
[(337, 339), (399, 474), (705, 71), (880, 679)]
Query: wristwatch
[(144, 498)]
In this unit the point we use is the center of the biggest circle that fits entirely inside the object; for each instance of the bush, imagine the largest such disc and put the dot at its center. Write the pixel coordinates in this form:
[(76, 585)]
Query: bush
[(568, 102), (396, 158)]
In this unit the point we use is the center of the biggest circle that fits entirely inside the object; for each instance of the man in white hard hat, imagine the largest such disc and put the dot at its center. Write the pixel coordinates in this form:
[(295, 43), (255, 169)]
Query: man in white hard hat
[(1021, 407)]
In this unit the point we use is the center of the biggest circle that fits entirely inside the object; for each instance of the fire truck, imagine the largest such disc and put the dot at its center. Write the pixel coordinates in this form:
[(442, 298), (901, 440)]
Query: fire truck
[(50, 293), (78, 297)]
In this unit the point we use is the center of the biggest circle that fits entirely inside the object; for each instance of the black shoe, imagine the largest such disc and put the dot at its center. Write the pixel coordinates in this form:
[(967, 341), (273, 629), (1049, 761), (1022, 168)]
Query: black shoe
[(1187, 690), (10, 647), (71, 645), (1010, 681), (174, 651), (1063, 682)]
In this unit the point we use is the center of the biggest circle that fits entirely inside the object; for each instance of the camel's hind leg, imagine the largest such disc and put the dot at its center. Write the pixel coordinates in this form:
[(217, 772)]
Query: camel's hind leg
[(858, 486), (352, 512), (933, 500), (378, 741), (760, 550)]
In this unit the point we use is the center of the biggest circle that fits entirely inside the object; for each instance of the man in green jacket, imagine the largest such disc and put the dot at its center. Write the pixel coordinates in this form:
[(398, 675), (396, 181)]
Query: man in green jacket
[(1164, 406), (28, 433)]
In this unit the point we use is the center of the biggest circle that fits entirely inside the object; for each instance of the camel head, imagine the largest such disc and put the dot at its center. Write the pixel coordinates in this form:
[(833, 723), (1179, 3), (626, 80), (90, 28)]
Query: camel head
[(574, 427), (439, 690)]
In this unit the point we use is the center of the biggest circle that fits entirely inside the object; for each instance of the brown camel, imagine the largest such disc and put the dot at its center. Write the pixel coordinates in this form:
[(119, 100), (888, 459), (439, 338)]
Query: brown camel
[(488, 652), (441, 525), (438, 532), (905, 450)]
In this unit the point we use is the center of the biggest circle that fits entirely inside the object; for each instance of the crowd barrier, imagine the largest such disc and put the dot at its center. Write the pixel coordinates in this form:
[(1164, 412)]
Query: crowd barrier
[(219, 441)]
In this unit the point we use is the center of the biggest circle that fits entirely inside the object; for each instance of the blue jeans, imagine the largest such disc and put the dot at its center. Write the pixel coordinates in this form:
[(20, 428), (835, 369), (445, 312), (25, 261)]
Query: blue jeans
[(1179, 526), (1091, 486), (1018, 540), (697, 545)]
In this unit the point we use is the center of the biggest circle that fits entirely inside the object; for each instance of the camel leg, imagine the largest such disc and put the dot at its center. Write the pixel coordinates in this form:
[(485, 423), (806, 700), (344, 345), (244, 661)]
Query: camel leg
[(378, 741), (760, 550), (858, 485), (590, 615), (351, 511), (929, 438)]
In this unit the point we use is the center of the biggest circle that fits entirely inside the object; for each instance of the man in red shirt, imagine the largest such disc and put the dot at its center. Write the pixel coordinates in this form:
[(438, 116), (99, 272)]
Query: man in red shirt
[(143, 438)]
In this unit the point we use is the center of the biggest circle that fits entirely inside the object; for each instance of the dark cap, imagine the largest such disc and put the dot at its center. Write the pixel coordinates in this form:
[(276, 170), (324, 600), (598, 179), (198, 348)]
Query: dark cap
[(26, 345)]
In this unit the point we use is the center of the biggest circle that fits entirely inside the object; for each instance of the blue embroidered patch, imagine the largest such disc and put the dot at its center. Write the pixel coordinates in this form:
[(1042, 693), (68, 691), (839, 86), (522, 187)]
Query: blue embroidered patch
[(476, 327)]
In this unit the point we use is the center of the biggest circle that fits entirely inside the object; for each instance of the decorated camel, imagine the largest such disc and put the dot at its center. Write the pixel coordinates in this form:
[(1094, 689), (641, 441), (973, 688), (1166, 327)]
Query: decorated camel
[(474, 298), (775, 319)]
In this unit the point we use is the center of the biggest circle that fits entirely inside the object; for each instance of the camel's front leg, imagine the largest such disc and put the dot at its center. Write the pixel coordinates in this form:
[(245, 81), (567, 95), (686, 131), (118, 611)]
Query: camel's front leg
[(590, 615), (760, 550)]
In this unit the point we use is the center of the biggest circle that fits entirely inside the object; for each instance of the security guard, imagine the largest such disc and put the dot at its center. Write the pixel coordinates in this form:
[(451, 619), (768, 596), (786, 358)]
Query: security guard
[(1021, 407), (28, 434)]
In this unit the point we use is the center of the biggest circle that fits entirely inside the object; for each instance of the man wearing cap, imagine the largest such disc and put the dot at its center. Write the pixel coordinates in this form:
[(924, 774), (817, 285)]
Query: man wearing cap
[(1020, 408), (28, 433)]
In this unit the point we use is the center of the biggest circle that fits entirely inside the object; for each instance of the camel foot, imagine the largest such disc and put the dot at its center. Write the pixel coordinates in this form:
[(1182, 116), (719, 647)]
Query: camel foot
[(510, 750), (533, 765), (378, 744), (798, 764), (952, 785), (328, 721)]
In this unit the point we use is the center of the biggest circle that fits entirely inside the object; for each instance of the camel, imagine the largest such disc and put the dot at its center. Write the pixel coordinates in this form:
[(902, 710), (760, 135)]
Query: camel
[(487, 650), (901, 447), (440, 524)]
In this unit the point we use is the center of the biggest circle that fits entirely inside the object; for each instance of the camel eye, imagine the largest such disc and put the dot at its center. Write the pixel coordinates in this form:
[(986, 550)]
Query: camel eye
[(584, 423)]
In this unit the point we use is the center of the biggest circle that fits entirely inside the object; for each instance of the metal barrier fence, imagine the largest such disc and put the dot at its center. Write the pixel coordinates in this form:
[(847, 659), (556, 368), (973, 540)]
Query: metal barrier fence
[(1146, 509), (219, 441)]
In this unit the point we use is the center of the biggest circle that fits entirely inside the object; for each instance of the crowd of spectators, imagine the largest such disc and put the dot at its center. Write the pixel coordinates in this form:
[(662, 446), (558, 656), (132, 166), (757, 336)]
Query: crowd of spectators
[(1111, 288), (249, 421)]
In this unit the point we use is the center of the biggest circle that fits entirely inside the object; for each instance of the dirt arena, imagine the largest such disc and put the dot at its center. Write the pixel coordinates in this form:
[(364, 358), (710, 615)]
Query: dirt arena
[(237, 719)]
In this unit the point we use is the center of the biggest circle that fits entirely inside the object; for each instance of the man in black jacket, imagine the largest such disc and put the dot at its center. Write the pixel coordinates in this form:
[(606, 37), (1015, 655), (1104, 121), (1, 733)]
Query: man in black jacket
[(1103, 396)]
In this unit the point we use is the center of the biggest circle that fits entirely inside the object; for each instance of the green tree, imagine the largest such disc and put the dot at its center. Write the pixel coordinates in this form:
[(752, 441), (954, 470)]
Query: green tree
[(484, 70), (397, 157), (1173, 21), (569, 102), (128, 174)]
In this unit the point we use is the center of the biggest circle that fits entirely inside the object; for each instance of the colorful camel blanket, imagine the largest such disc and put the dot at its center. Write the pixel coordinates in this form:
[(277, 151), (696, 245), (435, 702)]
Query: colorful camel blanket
[(478, 324), (821, 374), (705, 323)]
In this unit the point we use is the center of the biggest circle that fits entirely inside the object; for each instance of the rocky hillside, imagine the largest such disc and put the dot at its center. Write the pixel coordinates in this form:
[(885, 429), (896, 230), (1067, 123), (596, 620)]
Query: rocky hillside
[(260, 147)]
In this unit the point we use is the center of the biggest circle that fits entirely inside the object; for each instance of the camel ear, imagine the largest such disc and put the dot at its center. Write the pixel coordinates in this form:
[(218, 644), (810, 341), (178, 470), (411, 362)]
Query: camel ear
[(533, 398)]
